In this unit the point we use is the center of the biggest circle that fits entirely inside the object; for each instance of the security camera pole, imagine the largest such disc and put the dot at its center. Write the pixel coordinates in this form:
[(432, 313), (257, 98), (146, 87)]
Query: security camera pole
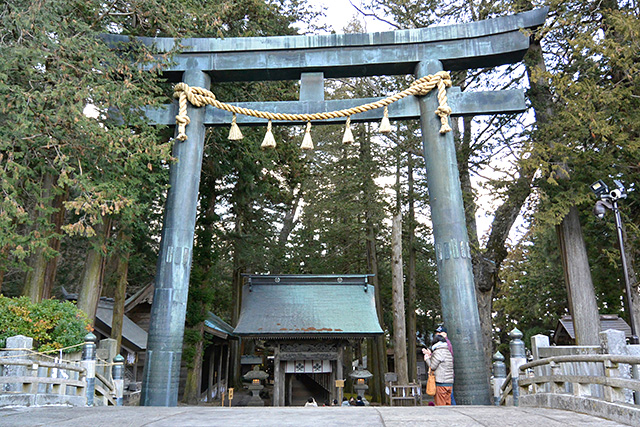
[(609, 200)]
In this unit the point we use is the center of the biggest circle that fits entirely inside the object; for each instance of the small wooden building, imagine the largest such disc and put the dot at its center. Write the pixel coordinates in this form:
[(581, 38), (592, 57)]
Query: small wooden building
[(307, 320), (215, 365), (565, 333)]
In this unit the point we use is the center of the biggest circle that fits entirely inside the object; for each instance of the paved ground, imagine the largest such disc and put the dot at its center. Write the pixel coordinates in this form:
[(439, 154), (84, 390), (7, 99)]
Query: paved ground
[(295, 416)]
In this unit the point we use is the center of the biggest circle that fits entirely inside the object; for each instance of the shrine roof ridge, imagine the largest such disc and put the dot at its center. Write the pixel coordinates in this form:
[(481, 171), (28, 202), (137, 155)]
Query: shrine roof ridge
[(308, 279), (509, 23)]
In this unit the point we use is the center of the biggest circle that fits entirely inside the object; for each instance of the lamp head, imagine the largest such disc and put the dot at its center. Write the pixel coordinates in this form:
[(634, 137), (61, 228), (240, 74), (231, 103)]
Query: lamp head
[(599, 188)]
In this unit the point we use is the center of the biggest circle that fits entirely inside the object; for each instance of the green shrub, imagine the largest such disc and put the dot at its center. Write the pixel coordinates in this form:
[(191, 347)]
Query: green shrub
[(51, 323)]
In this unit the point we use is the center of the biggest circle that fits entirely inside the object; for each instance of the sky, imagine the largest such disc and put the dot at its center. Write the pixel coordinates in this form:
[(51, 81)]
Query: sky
[(340, 12)]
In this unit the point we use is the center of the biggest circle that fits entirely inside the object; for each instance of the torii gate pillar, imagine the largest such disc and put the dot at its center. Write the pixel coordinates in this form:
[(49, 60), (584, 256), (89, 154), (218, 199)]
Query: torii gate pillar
[(168, 312), (453, 256)]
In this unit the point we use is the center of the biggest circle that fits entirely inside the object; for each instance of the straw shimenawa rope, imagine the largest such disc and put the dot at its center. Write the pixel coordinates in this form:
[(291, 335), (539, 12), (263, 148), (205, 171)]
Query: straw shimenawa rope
[(199, 97)]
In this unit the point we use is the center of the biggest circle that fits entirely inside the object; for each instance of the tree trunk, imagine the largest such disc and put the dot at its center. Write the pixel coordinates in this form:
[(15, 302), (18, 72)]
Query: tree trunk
[(634, 284), (399, 332), (91, 282), (191, 394), (35, 278), (120, 292), (57, 219), (379, 348), (238, 269), (411, 278), (582, 298), (34, 282)]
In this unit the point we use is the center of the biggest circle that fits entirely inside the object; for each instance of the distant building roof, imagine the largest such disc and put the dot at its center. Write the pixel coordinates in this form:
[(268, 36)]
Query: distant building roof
[(134, 338), (565, 332), (144, 295), (217, 327), (308, 306)]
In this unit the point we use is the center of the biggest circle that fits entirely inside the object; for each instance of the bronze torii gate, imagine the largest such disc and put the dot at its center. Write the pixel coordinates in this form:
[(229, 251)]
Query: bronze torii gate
[(311, 59)]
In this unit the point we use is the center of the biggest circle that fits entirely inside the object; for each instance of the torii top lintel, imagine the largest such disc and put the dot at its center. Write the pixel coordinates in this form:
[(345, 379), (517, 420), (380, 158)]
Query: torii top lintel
[(462, 46)]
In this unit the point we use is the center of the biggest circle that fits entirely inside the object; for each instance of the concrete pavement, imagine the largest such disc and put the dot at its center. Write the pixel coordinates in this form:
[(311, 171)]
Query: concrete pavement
[(487, 416)]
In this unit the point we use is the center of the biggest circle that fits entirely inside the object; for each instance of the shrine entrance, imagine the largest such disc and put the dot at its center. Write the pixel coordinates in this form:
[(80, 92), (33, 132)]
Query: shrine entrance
[(425, 53), (307, 321)]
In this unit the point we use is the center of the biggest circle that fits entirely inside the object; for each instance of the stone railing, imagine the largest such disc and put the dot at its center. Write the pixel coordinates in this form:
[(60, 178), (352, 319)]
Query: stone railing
[(29, 378), (580, 379), (41, 383), (606, 395)]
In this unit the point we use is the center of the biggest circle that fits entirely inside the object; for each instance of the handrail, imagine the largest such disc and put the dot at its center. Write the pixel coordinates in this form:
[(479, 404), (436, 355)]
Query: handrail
[(106, 382), (582, 379), (629, 360), (506, 383), (45, 364)]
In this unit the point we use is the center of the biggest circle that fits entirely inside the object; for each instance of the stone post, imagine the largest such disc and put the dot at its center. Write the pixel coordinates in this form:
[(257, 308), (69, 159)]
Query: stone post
[(117, 373), (19, 345), (499, 376), (614, 342), (106, 350), (537, 342), (518, 358), (89, 364), (634, 350)]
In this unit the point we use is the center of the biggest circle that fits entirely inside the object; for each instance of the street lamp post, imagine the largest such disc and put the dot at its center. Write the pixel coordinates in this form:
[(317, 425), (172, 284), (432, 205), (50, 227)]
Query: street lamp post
[(609, 200)]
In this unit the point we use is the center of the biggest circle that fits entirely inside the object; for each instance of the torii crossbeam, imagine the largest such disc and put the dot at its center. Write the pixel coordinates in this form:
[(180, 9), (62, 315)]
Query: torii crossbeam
[(311, 59)]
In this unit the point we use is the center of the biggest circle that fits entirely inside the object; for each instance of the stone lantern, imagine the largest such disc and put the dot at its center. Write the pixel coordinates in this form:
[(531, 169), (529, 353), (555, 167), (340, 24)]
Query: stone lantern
[(360, 377), (256, 376)]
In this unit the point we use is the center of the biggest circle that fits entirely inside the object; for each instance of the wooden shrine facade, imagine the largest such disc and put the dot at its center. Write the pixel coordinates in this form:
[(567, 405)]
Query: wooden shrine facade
[(307, 321)]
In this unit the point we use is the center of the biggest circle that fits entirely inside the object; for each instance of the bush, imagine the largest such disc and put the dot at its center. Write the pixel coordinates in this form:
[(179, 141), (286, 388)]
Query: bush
[(51, 323)]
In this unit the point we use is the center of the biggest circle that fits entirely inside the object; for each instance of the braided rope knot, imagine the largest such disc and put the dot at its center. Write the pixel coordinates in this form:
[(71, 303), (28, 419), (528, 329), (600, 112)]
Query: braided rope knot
[(197, 96)]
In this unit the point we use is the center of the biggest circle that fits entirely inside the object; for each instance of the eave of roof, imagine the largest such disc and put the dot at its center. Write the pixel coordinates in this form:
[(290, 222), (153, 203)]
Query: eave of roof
[(303, 307), (218, 327)]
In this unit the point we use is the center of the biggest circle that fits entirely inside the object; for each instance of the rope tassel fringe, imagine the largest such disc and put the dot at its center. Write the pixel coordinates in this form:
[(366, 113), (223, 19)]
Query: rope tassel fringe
[(269, 141), (347, 138), (307, 143), (234, 132), (385, 125)]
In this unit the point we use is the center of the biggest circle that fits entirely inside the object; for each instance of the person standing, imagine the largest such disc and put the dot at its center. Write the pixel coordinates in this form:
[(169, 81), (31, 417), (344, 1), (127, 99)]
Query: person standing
[(442, 331), (440, 360)]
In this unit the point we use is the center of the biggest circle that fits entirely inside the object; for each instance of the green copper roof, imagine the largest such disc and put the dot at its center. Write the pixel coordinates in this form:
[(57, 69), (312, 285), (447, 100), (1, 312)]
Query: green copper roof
[(217, 326), (308, 306)]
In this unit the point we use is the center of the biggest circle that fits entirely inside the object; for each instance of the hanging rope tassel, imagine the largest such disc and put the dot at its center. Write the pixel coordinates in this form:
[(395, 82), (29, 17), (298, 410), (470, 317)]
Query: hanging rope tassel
[(269, 141), (307, 143), (347, 138), (182, 120), (443, 111), (234, 132), (385, 125)]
